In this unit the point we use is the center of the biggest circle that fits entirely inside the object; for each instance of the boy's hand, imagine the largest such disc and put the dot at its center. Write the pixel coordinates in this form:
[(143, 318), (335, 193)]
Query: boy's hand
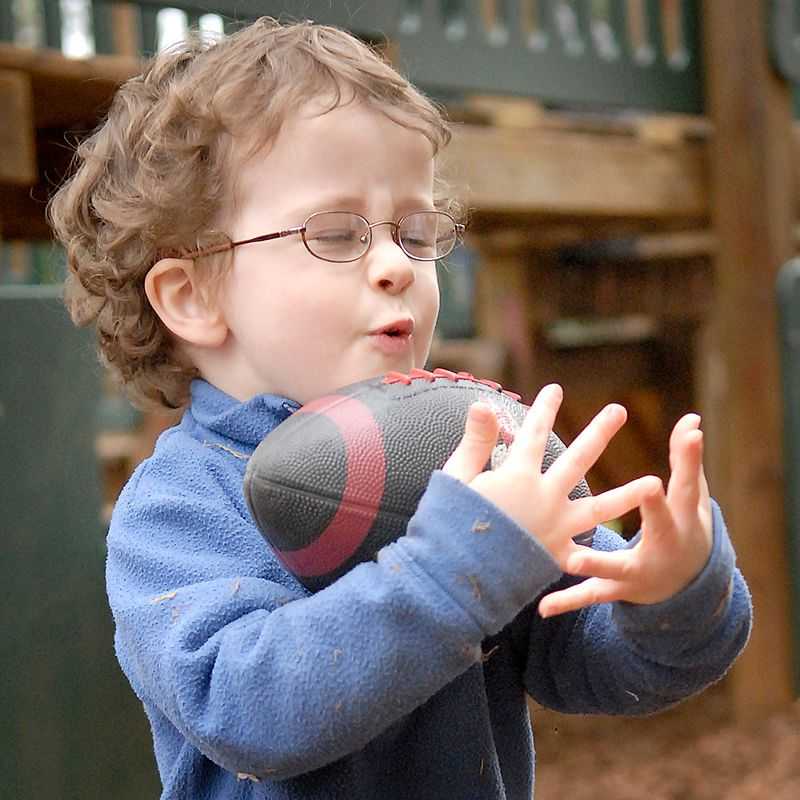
[(537, 501), (675, 543)]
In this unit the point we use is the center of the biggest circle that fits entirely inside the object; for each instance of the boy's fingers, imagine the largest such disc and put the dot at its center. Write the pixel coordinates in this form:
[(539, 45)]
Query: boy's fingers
[(657, 519), (705, 494), (475, 447), (591, 511), (686, 482), (531, 440), (686, 423), (567, 552), (588, 446), (617, 565), (588, 593), (688, 458)]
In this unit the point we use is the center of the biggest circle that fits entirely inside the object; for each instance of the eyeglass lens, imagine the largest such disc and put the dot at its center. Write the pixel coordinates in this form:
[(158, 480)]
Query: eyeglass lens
[(344, 236)]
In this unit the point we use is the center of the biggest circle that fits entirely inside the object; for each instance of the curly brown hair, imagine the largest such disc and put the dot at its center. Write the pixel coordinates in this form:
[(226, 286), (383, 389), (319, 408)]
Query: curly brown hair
[(155, 176)]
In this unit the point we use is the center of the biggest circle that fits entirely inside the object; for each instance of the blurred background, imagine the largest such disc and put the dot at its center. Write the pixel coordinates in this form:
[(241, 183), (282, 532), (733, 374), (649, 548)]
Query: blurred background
[(631, 167)]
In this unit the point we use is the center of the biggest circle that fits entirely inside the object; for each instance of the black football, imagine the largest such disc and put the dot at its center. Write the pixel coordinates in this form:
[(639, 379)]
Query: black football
[(341, 478)]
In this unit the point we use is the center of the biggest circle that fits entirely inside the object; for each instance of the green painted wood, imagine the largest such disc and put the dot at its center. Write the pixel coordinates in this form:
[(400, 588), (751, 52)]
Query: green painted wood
[(102, 28), (784, 46), (788, 287), (71, 726), (6, 22), (783, 32), (149, 27), (52, 23), (445, 47), (193, 19)]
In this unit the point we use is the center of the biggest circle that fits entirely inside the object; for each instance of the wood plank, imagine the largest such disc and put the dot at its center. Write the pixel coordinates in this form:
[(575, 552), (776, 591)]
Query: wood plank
[(68, 91), (752, 211), (513, 170), (18, 133)]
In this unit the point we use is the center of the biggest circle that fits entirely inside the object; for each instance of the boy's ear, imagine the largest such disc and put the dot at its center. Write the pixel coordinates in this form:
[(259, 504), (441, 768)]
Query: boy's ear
[(182, 302)]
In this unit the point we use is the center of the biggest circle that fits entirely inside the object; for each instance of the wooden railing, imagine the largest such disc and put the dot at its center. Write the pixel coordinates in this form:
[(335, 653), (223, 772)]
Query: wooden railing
[(578, 53)]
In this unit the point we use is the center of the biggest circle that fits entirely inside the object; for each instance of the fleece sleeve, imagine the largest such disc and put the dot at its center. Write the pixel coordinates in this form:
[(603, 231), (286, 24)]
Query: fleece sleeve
[(623, 658), (265, 679)]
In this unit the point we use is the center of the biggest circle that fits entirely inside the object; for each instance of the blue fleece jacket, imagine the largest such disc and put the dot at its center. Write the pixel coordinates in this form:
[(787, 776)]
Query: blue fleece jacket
[(405, 678)]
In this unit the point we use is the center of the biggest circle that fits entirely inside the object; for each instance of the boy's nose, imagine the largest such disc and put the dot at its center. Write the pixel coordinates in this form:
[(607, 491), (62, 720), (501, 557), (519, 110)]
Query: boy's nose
[(388, 267)]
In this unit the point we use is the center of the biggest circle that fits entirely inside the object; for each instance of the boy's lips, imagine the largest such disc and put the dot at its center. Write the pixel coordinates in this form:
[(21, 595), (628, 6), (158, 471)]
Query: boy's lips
[(403, 326), (394, 338)]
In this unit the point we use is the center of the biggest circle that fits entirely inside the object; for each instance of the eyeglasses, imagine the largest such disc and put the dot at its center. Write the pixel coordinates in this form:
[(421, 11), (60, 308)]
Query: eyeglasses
[(342, 236)]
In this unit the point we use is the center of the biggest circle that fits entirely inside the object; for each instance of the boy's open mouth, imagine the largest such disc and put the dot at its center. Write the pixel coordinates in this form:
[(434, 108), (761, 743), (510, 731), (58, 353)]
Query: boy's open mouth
[(398, 328), (395, 338)]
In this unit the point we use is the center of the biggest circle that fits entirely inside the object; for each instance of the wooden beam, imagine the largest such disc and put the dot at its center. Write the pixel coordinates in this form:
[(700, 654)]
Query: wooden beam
[(752, 196), (18, 133), (514, 170), (68, 91)]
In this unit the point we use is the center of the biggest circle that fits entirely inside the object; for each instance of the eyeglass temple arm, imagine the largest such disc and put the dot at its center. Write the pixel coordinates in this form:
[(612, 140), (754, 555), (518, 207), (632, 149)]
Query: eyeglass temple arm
[(221, 248)]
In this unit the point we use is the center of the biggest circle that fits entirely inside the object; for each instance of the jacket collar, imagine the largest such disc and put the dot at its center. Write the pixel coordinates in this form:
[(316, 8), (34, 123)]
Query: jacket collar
[(241, 424)]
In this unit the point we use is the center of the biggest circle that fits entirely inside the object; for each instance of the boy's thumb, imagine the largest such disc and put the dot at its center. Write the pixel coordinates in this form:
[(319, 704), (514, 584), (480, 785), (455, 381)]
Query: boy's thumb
[(475, 448)]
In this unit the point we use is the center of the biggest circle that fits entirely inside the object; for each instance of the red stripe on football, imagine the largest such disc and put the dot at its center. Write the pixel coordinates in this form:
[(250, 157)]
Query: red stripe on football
[(362, 494)]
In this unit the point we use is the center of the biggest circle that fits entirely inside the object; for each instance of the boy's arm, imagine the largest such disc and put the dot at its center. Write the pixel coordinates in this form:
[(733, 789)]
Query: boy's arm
[(265, 680), (625, 658)]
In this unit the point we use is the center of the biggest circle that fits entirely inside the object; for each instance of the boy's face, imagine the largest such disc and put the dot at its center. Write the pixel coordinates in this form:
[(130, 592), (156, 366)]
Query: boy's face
[(299, 326)]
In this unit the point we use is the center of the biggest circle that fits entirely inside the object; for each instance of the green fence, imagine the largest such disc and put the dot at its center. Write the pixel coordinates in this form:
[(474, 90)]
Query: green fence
[(71, 728), (585, 53), (579, 53), (789, 317)]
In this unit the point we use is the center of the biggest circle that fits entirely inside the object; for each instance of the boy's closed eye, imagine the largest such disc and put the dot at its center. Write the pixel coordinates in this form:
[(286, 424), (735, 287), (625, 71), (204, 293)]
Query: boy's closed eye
[(333, 235)]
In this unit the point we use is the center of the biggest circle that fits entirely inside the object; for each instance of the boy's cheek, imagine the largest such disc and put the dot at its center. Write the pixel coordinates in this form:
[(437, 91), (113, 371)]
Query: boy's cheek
[(425, 332)]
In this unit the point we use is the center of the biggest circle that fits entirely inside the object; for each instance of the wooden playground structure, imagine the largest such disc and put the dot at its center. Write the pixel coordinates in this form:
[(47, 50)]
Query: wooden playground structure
[(659, 223)]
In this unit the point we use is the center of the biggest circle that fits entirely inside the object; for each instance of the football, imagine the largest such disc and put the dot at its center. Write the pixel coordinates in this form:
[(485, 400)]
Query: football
[(339, 479)]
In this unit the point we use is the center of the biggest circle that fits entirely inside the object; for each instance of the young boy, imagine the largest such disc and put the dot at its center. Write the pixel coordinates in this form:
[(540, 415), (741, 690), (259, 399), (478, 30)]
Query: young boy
[(248, 220)]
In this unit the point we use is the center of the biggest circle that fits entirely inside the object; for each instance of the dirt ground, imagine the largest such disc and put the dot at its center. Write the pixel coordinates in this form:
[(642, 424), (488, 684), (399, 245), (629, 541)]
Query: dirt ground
[(693, 752)]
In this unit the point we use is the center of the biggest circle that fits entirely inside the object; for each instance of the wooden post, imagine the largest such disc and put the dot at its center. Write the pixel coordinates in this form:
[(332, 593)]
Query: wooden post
[(18, 132), (125, 29), (752, 202)]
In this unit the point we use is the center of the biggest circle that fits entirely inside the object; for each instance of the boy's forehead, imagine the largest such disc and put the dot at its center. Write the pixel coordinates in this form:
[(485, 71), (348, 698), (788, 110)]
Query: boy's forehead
[(355, 125), (325, 117), (350, 155), (338, 150)]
